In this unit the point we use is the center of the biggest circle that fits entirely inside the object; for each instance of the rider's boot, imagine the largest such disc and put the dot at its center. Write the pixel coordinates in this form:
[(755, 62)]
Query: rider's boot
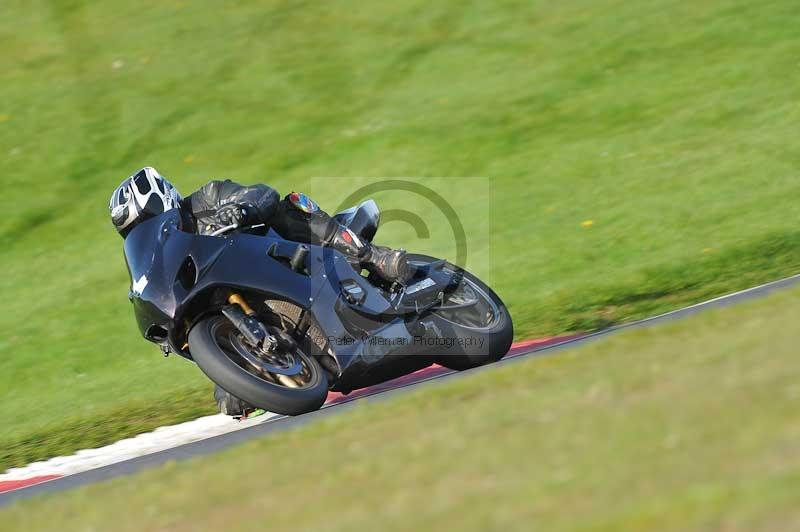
[(230, 405), (388, 264)]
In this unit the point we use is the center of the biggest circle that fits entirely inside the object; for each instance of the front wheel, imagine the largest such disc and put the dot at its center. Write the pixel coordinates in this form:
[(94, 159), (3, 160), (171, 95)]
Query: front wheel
[(475, 324), (286, 382)]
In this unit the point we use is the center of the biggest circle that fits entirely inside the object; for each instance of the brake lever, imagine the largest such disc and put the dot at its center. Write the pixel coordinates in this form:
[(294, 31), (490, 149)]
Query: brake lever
[(223, 230)]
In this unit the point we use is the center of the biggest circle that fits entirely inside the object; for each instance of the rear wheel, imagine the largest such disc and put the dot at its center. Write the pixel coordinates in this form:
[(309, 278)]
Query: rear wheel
[(475, 324), (285, 381)]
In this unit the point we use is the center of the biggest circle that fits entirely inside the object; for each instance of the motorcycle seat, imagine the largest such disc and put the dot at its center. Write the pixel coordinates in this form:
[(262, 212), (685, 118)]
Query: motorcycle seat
[(363, 219)]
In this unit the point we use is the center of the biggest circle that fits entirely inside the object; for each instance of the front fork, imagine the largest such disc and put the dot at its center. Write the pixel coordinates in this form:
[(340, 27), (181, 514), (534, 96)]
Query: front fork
[(243, 317)]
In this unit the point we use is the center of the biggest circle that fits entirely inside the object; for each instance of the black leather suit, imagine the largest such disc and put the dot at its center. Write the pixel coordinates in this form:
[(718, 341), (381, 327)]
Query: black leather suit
[(263, 205)]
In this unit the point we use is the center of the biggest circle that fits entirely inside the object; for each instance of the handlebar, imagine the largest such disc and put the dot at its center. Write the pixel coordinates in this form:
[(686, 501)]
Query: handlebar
[(232, 227)]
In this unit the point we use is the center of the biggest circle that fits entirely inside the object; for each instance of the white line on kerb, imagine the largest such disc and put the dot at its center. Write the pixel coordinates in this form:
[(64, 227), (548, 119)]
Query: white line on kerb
[(143, 444)]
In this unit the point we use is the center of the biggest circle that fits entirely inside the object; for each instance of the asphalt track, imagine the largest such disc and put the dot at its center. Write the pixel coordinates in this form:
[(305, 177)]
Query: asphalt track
[(216, 443)]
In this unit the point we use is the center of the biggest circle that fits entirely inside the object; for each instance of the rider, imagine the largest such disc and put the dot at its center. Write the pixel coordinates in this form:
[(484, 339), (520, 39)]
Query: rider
[(217, 204)]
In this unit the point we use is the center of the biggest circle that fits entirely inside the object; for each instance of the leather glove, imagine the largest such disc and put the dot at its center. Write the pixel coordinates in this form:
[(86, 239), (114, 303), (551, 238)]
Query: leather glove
[(232, 214)]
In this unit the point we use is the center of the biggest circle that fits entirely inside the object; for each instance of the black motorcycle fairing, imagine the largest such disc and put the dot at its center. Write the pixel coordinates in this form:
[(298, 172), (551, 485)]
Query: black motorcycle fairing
[(153, 257), (176, 277), (157, 250)]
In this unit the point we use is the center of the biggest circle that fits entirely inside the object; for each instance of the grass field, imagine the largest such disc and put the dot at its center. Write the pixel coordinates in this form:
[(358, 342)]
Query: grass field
[(686, 426), (639, 156)]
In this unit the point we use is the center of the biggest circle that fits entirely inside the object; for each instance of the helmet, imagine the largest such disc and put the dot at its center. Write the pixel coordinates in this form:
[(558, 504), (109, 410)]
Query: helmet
[(142, 196)]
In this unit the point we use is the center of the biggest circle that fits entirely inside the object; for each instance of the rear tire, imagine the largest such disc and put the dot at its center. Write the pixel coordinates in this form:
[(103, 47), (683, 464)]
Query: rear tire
[(220, 367), (467, 351)]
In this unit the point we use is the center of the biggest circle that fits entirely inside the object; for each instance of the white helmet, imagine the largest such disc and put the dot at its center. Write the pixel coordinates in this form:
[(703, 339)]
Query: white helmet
[(143, 195)]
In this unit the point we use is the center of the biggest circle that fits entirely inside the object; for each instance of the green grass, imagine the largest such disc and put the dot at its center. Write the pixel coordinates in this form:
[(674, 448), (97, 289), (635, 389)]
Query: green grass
[(690, 425), (670, 124)]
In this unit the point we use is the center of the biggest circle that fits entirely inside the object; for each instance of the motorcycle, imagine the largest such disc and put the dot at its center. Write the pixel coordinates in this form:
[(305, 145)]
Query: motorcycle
[(279, 323)]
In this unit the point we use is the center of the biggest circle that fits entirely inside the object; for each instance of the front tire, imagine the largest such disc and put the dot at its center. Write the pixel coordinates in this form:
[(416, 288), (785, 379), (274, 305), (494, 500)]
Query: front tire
[(214, 346)]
